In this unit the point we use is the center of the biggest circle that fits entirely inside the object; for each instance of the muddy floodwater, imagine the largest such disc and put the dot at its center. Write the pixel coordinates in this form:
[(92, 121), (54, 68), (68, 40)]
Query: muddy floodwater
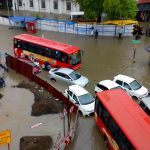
[(103, 58)]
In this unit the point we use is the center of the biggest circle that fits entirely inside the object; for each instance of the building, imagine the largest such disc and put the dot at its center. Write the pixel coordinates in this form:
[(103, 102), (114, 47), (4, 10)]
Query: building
[(5, 4), (144, 10), (46, 6)]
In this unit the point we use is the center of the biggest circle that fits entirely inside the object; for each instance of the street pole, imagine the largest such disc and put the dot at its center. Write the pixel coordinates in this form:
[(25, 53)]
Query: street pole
[(134, 53), (8, 7), (68, 111), (135, 42)]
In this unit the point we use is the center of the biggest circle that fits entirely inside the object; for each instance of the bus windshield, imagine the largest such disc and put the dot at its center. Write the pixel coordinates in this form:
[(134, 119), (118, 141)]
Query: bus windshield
[(75, 58)]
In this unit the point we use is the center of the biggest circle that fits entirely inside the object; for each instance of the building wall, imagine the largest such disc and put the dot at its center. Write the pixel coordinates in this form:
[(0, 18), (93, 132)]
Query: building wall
[(49, 6)]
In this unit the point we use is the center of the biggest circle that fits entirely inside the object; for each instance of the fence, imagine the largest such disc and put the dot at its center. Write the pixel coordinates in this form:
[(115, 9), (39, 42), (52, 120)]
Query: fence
[(27, 70), (73, 27)]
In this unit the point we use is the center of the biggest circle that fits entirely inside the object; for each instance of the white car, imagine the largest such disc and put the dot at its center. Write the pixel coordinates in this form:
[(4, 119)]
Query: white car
[(82, 98), (106, 85), (68, 76), (131, 86), (145, 104)]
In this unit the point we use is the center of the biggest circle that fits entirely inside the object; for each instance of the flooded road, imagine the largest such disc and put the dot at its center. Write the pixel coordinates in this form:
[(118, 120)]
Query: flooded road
[(103, 58)]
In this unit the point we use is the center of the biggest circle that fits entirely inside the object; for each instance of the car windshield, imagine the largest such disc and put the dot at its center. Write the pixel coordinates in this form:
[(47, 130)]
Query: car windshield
[(74, 75), (86, 99), (135, 85)]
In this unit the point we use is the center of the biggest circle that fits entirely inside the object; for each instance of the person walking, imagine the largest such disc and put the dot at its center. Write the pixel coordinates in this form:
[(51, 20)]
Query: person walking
[(2, 81), (120, 32), (96, 34)]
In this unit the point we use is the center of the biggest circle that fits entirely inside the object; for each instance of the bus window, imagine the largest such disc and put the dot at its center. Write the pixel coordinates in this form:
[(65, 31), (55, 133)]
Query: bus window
[(17, 43), (24, 45), (105, 117), (98, 107), (64, 58), (113, 128), (47, 52), (31, 48), (123, 142)]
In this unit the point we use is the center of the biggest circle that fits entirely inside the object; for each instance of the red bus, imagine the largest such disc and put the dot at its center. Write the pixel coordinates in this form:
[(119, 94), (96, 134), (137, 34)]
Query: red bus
[(122, 122), (44, 50)]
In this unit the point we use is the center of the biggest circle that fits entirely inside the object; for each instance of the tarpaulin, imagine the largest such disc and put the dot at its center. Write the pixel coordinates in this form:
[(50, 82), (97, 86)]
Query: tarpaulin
[(22, 18)]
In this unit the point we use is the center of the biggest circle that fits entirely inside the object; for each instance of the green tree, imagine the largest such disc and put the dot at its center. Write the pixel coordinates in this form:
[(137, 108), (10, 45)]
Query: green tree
[(128, 8), (120, 8), (91, 8), (112, 8)]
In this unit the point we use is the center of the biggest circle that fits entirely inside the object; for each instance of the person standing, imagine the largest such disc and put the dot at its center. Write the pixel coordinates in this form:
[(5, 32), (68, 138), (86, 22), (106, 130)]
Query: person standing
[(2, 81), (96, 33), (120, 32)]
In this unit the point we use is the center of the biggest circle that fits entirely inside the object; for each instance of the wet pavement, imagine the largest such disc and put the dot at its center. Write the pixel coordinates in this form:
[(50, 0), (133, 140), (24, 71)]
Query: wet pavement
[(103, 58)]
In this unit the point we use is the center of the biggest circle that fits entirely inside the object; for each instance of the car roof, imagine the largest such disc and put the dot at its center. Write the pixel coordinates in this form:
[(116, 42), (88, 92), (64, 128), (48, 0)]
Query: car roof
[(65, 70), (124, 78), (78, 90), (146, 101), (109, 84)]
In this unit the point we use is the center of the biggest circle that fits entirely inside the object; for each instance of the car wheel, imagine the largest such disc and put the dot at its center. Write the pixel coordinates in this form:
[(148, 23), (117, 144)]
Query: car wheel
[(80, 112), (52, 79), (134, 97)]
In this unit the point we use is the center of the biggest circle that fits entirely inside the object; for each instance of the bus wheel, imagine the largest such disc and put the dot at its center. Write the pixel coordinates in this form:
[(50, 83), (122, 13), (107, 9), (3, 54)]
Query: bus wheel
[(52, 79)]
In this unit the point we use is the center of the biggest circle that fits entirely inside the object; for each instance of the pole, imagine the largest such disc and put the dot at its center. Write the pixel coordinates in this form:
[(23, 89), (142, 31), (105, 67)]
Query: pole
[(134, 53), (68, 112), (64, 124), (7, 7), (8, 146)]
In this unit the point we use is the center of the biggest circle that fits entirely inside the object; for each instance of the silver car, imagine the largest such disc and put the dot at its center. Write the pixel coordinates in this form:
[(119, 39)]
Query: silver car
[(67, 75)]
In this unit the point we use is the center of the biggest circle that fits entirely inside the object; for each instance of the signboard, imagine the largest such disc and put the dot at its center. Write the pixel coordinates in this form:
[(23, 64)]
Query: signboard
[(136, 41), (5, 137)]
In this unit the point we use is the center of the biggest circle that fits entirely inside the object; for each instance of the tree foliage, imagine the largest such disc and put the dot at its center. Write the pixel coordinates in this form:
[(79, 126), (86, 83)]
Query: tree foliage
[(120, 8), (91, 8), (113, 8)]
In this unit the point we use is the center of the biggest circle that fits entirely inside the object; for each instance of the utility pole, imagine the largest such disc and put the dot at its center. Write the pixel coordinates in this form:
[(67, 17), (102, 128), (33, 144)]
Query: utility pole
[(8, 7)]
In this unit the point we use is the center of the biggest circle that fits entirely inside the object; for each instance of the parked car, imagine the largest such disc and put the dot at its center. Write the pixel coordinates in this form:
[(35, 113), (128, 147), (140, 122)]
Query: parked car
[(106, 85), (145, 104), (68, 76), (131, 86), (82, 98)]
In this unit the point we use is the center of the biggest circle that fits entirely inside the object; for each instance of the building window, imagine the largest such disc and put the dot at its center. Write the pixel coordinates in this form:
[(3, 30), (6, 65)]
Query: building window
[(20, 2), (55, 2), (43, 3), (31, 3), (68, 5)]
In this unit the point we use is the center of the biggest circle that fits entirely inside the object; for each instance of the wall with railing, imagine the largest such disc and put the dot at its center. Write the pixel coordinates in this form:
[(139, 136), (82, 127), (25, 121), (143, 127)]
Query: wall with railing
[(74, 27), (27, 70)]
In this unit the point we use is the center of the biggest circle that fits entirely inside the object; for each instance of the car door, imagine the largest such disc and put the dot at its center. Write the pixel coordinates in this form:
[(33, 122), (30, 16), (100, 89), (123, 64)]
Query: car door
[(58, 76), (74, 99), (127, 88), (67, 79), (61, 77)]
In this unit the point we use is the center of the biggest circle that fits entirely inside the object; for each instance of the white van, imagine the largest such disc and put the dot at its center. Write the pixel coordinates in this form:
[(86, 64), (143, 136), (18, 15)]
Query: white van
[(77, 15)]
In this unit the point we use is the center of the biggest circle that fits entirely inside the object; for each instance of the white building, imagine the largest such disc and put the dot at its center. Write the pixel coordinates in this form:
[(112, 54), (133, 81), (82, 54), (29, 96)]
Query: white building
[(47, 6)]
